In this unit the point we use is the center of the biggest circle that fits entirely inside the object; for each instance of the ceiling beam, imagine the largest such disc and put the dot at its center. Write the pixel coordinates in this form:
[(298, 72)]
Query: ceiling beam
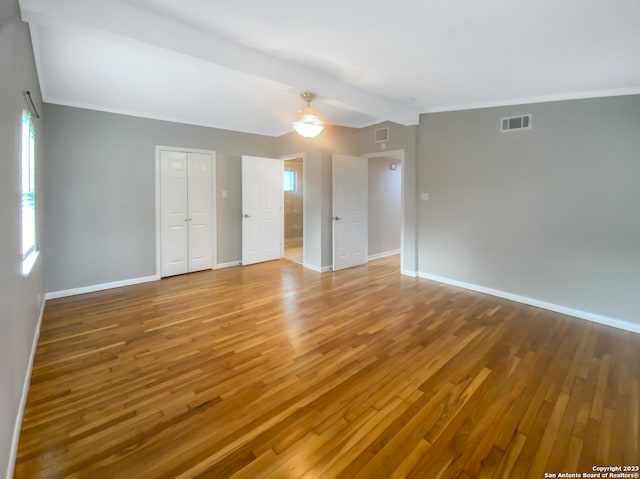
[(139, 25)]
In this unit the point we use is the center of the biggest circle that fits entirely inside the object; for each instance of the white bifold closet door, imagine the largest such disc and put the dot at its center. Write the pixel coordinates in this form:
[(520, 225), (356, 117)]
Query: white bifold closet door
[(185, 212)]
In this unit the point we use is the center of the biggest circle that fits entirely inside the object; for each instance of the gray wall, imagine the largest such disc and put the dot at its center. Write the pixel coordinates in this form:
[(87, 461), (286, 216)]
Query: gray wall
[(100, 210), (551, 213), (384, 205), (101, 206), (20, 297)]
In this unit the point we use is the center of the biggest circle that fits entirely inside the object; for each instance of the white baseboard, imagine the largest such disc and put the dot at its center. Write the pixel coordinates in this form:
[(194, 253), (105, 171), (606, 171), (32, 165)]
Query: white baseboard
[(230, 264), (409, 272), (100, 287), (384, 255), (23, 400), (317, 269), (596, 318)]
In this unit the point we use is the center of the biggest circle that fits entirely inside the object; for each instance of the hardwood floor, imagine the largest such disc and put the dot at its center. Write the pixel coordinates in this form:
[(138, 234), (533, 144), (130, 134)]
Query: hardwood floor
[(274, 371)]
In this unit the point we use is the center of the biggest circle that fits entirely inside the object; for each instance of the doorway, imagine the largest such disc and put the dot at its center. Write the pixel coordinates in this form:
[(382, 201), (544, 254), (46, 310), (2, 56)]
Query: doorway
[(293, 211), (384, 206), (387, 169)]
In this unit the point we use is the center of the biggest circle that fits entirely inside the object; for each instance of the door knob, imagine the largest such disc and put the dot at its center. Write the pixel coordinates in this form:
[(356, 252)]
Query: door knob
[(245, 216), (337, 218)]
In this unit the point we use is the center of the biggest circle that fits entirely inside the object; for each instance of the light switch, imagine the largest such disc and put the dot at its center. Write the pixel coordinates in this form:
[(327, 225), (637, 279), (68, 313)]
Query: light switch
[(424, 196), (224, 193)]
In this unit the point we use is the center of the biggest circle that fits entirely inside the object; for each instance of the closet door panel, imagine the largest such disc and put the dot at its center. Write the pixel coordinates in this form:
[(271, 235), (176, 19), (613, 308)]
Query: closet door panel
[(200, 211), (174, 213)]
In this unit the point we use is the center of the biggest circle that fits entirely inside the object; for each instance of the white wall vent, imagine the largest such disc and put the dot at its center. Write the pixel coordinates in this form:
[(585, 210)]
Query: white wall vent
[(520, 122), (382, 135)]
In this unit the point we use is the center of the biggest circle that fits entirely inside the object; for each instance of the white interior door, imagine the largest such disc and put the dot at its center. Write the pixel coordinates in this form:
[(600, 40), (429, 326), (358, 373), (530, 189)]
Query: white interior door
[(174, 213), (261, 209), (350, 230), (200, 214)]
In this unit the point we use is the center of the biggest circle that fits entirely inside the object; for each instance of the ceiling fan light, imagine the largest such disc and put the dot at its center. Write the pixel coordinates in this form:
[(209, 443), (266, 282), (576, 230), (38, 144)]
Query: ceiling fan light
[(308, 130), (308, 122)]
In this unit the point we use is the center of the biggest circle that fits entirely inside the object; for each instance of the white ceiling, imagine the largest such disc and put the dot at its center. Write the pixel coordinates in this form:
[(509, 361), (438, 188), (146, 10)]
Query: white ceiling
[(240, 65)]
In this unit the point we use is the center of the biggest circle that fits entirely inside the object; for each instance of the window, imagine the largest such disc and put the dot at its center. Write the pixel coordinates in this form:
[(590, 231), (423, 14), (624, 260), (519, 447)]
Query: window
[(28, 187), (289, 180)]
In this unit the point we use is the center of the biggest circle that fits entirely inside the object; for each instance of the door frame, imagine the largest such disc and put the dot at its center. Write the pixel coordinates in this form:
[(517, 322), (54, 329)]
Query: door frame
[(214, 213), (284, 158), (397, 155)]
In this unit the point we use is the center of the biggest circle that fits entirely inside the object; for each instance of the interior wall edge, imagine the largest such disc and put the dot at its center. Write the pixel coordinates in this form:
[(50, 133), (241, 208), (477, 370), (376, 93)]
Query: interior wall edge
[(384, 254), (317, 269), (557, 308), (229, 264), (25, 393), (100, 287)]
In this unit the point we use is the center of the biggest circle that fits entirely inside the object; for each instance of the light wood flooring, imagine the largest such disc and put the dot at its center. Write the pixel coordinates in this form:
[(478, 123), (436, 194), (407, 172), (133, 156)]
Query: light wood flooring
[(274, 371)]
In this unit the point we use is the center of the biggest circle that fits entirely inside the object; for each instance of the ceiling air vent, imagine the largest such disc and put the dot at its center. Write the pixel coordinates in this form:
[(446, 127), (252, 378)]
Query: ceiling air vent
[(520, 122), (382, 135)]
